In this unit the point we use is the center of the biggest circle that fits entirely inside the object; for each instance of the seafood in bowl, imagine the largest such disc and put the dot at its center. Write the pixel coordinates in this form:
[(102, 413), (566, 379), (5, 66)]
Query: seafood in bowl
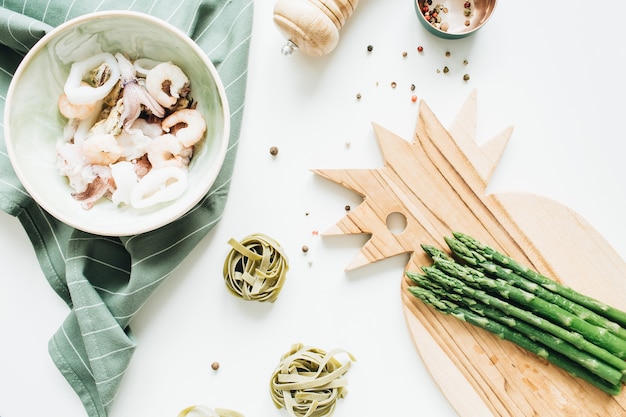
[(130, 133), (132, 123)]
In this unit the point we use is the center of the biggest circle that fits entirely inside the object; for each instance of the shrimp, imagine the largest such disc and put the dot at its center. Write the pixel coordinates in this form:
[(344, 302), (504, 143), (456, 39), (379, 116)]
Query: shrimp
[(101, 149), (165, 82), (193, 129), (165, 151), (76, 111)]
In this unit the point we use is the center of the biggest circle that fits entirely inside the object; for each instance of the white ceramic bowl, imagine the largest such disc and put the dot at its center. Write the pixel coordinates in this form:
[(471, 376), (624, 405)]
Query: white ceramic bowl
[(33, 124)]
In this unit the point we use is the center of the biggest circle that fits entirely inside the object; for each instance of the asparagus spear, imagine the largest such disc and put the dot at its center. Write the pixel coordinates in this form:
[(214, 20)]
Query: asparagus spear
[(455, 285), (505, 328), (536, 334), (565, 303), (598, 335), (610, 312), (476, 259), (546, 340)]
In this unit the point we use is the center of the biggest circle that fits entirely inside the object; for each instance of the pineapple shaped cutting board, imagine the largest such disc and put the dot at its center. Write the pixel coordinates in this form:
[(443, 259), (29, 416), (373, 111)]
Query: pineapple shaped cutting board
[(438, 183)]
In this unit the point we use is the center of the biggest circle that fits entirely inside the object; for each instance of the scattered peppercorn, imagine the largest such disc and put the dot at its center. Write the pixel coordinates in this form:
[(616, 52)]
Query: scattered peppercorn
[(347, 208), (412, 87), (420, 48), (393, 84), (274, 151), (467, 22), (370, 48), (466, 77), (305, 248), (215, 366), (404, 54), (358, 96), (447, 53), (446, 70), (465, 62), (413, 98)]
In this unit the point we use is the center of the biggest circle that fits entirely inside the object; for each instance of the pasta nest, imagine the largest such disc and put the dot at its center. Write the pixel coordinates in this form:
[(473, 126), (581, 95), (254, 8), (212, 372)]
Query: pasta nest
[(308, 381), (256, 268)]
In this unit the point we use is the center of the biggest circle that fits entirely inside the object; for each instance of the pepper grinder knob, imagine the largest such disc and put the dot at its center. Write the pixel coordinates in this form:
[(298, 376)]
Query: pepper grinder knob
[(312, 26)]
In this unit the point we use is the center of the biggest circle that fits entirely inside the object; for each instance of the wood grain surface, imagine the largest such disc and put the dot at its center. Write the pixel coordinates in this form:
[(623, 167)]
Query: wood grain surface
[(438, 182)]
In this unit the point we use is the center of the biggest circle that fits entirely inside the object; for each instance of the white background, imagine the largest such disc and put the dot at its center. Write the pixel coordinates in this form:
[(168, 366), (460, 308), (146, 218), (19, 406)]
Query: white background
[(555, 75)]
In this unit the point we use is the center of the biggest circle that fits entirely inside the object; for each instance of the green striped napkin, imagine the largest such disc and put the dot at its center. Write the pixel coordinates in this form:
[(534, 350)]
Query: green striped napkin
[(106, 280)]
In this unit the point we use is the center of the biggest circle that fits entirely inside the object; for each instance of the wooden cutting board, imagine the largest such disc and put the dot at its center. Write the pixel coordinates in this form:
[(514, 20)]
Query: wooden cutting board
[(438, 183)]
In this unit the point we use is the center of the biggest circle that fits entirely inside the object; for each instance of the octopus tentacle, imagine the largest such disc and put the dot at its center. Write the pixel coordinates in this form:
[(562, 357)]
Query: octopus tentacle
[(135, 95)]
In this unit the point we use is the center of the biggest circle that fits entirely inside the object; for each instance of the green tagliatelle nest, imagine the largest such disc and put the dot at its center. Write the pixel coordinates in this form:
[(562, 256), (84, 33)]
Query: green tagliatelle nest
[(308, 381), (255, 268)]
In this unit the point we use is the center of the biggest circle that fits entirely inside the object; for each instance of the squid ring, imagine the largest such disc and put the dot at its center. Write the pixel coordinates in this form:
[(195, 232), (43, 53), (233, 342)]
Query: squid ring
[(159, 186), (78, 93)]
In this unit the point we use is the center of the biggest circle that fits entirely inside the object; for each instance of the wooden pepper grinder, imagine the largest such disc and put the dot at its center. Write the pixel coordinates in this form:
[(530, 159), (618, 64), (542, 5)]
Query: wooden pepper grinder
[(312, 25)]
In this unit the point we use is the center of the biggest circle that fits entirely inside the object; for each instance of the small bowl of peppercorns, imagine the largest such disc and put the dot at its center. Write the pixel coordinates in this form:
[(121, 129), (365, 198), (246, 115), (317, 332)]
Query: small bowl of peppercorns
[(454, 19)]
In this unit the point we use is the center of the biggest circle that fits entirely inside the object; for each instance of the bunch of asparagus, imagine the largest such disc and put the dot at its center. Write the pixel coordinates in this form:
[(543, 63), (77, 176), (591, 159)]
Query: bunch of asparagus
[(481, 286)]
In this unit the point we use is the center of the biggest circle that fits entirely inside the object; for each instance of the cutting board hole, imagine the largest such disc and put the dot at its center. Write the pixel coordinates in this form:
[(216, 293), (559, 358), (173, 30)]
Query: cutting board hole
[(396, 223)]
